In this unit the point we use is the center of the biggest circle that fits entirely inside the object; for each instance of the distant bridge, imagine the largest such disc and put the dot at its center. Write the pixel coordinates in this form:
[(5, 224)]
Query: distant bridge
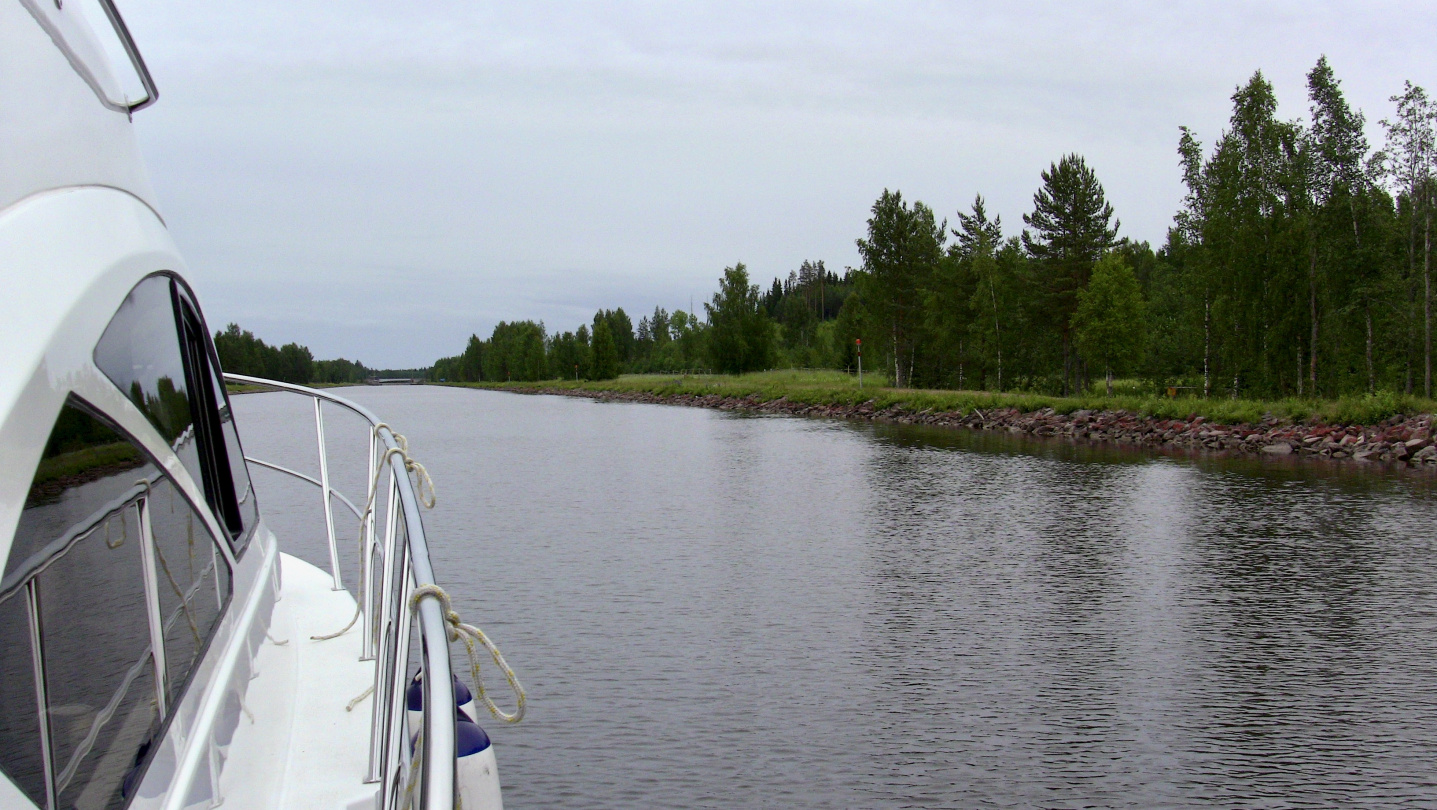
[(394, 381)]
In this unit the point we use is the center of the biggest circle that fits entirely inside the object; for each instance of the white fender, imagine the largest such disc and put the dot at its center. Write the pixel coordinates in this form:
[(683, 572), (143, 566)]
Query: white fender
[(477, 771), (414, 702)]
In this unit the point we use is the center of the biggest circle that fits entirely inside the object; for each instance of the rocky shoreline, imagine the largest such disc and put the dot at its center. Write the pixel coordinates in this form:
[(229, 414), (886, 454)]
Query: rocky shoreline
[(1404, 440)]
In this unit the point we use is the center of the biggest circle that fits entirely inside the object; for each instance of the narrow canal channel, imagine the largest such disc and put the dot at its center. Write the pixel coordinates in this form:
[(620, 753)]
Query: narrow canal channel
[(712, 610)]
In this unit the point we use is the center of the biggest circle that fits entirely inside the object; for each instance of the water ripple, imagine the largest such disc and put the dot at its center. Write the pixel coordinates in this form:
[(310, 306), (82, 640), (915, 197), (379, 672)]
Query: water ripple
[(722, 611)]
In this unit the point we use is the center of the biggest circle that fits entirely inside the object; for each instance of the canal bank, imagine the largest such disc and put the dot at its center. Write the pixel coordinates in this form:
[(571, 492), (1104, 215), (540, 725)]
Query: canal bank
[(1398, 438)]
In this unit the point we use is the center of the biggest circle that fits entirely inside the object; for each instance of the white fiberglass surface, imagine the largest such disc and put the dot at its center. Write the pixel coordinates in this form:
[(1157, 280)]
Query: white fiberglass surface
[(75, 256), (298, 746), (73, 29), (55, 132)]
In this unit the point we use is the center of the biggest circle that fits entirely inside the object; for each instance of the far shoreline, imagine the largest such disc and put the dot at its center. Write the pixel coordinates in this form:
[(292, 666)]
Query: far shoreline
[(1388, 435)]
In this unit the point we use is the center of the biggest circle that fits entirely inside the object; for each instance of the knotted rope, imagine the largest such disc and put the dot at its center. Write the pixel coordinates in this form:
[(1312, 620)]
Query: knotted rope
[(422, 482), (469, 634)]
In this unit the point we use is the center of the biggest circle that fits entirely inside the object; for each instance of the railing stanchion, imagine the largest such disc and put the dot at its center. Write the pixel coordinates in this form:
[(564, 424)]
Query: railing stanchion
[(384, 664), (366, 565), (398, 721), (324, 490), (389, 621)]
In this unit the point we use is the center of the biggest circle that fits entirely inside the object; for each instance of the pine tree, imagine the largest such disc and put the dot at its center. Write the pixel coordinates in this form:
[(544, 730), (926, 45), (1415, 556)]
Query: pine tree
[(1070, 223)]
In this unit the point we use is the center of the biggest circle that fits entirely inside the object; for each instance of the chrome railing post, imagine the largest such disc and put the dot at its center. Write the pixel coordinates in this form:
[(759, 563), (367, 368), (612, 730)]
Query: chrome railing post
[(366, 566), (384, 662), (324, 490), (437, 788), (397, 723)]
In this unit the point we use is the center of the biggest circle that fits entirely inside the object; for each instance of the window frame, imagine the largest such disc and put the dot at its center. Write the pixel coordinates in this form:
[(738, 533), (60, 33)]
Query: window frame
[(202, 360), (218, 483)]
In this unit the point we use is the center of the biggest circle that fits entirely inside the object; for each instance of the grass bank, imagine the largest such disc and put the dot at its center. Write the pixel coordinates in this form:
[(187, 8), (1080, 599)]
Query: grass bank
[(245, 388), (837, 388)]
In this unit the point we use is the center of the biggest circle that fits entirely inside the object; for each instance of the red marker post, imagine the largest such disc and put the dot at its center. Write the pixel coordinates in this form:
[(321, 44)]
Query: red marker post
[(859, 343)]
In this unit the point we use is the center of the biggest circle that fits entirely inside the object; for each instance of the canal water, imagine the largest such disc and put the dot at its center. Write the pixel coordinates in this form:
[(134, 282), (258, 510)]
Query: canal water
[(718, 610)]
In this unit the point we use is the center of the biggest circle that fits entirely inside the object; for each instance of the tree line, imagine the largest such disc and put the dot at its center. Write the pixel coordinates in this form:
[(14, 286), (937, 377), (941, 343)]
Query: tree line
[(611, 344), (240, 352), (1298, 265)]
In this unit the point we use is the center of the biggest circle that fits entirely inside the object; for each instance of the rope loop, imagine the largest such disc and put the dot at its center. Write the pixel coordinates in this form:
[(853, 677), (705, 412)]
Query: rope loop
[(473, 638), (422, 482)]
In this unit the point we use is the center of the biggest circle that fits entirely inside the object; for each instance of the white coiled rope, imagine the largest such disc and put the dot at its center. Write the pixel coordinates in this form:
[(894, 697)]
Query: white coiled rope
[(458, 630), (473, 637)]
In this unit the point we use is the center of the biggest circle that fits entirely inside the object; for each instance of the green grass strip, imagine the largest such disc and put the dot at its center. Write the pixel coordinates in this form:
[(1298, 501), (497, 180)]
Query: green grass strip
[(838, 388)]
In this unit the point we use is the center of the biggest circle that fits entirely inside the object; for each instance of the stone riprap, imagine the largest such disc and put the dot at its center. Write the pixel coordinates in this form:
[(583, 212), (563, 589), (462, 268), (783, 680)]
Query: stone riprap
[(1404, 440)]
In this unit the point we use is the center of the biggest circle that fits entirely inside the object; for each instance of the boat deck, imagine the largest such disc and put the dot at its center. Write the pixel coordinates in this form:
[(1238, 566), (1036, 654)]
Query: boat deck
[(302, 749)]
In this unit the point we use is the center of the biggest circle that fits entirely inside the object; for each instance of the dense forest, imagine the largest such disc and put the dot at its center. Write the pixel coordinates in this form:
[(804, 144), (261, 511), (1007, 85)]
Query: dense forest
[(1298, 265), (240, 352)]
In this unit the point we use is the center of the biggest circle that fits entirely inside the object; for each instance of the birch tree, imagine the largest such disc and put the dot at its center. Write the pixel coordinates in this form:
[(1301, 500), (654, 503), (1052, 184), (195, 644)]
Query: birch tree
[(1407, 161)]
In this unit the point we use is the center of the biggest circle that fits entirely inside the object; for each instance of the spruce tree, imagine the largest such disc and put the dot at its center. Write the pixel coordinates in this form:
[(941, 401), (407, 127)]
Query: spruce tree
[(978, 241), (1108, 324), (605, 363)]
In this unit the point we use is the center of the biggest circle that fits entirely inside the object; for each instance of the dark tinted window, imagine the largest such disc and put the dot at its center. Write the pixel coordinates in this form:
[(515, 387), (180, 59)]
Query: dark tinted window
[(80, 547), (156, 350), (191, 577), (140, 353), (239, 472), (85, 466), (224, 458), (99, 666), (246, 503)]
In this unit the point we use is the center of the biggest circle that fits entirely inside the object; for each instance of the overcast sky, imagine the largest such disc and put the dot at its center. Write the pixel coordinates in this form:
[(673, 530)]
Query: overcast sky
[(379, 180)]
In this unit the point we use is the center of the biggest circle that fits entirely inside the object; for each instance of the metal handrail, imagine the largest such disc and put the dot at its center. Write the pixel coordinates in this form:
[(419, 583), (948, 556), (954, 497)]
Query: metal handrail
[(405, 565), (301, 476), (122, 31)]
